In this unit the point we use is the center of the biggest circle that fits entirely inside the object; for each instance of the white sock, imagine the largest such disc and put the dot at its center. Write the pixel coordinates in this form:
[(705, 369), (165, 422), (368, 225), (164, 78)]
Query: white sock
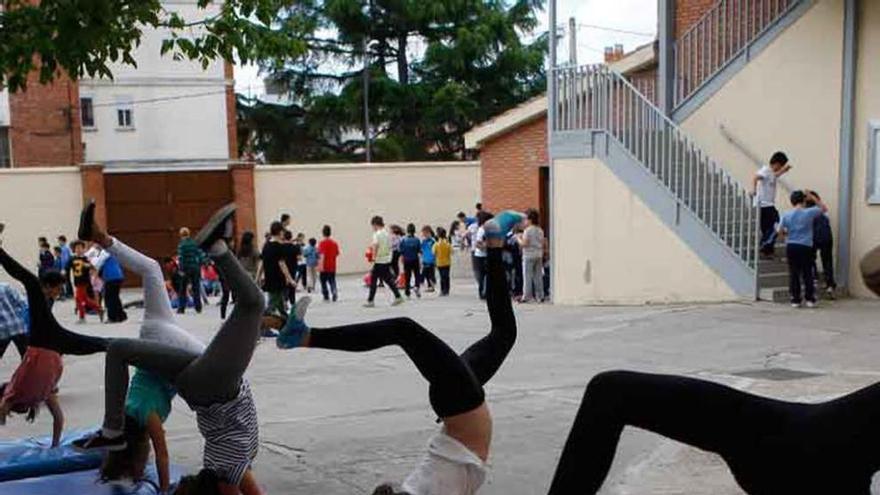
[(218, 248), (108, 433)]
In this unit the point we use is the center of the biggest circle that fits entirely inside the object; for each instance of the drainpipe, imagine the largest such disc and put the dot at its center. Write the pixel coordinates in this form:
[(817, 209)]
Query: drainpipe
[(551, 117), (847, 141), (666, 55)]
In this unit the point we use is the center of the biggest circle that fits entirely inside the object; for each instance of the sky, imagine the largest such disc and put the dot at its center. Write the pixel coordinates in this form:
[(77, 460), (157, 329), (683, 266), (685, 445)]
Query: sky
[(638, 16)]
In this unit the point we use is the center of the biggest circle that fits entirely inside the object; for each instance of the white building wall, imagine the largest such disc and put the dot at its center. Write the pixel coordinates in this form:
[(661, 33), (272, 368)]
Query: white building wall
[(4, 107), (178, 108)]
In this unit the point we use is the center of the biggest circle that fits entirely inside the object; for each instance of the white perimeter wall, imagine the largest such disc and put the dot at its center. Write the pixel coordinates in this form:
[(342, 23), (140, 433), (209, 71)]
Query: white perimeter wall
[(192, 126), (37, 202), (612, 249), (347, 196)]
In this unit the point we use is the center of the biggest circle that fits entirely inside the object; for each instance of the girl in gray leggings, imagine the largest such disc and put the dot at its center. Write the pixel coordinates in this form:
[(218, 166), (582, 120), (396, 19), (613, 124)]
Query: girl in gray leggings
[(211, 382)]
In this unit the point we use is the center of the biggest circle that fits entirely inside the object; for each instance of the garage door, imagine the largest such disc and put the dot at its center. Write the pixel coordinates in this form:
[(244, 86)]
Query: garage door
[(146, 210)]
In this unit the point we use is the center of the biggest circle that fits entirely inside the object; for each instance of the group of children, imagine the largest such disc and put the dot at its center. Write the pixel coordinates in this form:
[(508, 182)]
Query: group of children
[(92, 277), (806, 230), (770, 446), (287, 262)]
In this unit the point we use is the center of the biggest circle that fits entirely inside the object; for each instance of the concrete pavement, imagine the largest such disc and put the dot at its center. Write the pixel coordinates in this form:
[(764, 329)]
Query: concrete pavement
[(335, 423)]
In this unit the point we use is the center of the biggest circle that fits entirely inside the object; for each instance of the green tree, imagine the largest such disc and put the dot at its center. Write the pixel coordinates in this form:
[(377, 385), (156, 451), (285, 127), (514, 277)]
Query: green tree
[(82, 37), (437, 67)]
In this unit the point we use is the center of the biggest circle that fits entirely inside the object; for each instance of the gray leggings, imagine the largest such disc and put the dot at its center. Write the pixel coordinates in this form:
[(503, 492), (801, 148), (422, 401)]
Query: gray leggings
[(201, 379)]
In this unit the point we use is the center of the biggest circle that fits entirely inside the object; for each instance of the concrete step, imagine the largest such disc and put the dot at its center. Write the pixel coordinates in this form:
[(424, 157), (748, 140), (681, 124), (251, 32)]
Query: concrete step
[(781, 294)]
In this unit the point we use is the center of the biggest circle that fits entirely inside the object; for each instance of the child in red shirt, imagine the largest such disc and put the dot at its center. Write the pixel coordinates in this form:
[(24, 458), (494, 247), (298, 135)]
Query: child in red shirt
[(328, 250)]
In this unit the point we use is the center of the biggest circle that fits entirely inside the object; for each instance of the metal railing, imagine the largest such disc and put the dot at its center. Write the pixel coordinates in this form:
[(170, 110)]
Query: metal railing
[(596, 98), (727, 29)]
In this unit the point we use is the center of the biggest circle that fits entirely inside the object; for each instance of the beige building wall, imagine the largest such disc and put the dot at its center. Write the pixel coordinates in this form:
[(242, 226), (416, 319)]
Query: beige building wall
[(37, 202), (787, 98), (866, 217), (611, 248), (347, 196)]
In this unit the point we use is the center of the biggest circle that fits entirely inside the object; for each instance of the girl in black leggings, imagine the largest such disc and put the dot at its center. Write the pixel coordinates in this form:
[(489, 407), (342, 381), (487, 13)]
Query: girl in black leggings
[(772, 447), (455, 463)]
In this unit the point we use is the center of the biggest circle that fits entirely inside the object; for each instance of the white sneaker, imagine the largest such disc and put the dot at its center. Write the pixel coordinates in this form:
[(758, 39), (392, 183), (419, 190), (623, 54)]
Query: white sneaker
[(369, 304), (811, 304), (796, 305)]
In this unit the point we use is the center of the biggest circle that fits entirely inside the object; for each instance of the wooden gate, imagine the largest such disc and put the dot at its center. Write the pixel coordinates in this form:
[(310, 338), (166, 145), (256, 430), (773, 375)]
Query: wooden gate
[(146, 210)]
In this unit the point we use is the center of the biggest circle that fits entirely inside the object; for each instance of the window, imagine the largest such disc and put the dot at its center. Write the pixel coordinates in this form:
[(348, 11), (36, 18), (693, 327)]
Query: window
[(124, 114), (87, 112), (5, 153), (874, 162)]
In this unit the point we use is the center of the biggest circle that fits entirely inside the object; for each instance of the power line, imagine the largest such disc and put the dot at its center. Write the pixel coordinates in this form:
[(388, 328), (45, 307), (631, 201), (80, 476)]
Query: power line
[(616, 30), (160, 99)]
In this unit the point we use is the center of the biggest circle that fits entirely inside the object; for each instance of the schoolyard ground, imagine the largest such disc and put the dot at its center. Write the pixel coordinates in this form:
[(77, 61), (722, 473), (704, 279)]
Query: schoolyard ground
[(339, 424)]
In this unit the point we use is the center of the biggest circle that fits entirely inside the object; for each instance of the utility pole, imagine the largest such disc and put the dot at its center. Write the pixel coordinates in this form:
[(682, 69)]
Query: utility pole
[(367, 132), (572, 42)]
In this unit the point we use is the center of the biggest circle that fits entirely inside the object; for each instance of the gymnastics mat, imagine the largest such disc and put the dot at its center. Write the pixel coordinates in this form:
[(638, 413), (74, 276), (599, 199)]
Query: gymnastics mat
[(28, 457), (85, 483)]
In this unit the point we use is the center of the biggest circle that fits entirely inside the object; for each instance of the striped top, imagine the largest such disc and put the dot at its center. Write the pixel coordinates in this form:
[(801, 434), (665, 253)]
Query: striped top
[(231, 435)]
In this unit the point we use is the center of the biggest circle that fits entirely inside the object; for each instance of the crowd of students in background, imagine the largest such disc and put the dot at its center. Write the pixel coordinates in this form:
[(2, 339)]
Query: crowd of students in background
[(93, 277), (410, 259)]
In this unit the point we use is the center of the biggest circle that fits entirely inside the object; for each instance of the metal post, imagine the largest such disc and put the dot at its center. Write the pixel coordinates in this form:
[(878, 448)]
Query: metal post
[(572, 42), (551, 119), (847, 141), (367, 131), (666, 79)]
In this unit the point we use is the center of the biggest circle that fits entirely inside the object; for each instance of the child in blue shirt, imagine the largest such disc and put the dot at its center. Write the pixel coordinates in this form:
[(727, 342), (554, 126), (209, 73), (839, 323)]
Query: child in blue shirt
[(410, 249), (797, 226), (429, 261), (310, 255)]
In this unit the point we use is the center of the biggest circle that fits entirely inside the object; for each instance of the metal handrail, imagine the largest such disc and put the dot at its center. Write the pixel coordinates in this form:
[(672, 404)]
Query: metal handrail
[(596, 98), (721, 34)]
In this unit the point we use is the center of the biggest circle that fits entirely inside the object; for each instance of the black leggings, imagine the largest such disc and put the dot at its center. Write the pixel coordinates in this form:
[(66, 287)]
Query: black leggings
[(770, 446), (455, 381), (45, 332)]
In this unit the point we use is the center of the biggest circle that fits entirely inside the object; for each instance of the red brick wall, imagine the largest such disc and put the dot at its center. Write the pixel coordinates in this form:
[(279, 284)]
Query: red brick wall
[(45, 124), (244, 195), (94, 187), (510, 167), (231, 117), (687, 12)]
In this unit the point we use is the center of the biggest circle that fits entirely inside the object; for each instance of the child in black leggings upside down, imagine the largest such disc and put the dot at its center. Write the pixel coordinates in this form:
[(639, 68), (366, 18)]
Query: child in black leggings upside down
[(772, 447), (456, 460)]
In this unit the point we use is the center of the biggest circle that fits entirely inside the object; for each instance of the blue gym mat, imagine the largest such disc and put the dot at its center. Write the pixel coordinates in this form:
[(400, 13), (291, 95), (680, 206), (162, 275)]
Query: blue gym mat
[(84, 483), (29, 457)]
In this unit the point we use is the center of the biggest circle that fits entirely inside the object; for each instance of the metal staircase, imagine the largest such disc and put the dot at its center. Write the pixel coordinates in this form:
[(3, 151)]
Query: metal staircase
[(712, 212), (723, 41)]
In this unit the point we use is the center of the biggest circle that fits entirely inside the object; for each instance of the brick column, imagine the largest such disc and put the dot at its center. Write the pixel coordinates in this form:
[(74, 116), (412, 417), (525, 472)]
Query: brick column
[(231, 114), (243, 193), (92, 175)]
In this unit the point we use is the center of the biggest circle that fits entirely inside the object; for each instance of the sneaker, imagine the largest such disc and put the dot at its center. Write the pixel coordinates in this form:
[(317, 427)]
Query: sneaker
[(86, 220), (830, 293), (97, 441), (335, 298), (101, 315), (217, 227), (811, 304), (397, 301), (369, 304), (418, 293), (301, 306), (292, 334), (795, 305)]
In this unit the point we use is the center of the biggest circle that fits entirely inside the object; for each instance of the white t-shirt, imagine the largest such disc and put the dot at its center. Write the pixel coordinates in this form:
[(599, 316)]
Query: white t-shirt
[(383, 247), (766, 193), (449, 468), (478, 238)]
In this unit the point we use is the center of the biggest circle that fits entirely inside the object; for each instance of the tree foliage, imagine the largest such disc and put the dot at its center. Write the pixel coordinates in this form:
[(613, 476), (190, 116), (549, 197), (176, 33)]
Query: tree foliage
[(437, 67), (83, 37)]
